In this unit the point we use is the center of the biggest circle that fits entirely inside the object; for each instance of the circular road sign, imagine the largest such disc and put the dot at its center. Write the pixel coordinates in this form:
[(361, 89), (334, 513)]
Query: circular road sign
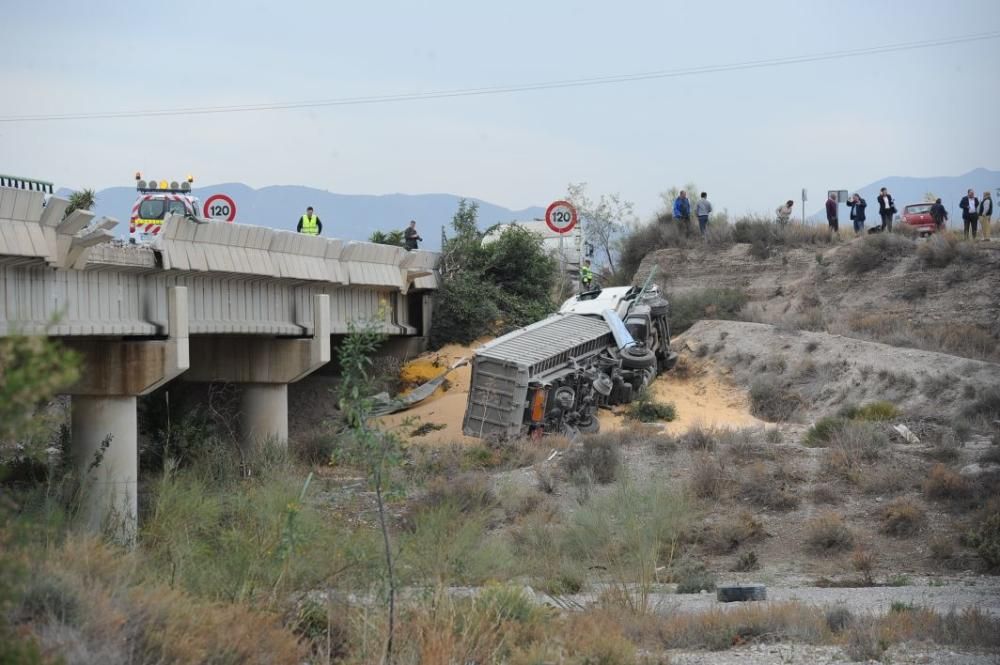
[(220, 206), (561, 216)]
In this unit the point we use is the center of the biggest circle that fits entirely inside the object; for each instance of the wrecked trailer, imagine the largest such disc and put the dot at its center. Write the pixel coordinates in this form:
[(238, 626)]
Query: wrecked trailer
[(552, 376)]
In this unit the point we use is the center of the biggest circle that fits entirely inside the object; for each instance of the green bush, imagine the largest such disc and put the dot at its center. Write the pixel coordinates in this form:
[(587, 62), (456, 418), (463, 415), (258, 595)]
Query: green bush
[(487, 288), (691, 306), (598, 455), (985, 538), (872, 412), (770, 400), (819, 435), (693, 577), (645, 409)]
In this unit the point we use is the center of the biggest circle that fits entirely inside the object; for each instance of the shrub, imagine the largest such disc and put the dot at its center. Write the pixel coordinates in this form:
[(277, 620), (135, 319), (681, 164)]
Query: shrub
[(819, 435), (873, 251), (986, 405), (853, 447), (943, 483), (827, 533), (693, 577), (838, 619), (767, 488), (943, 249), (770, 400), (713, 303), (467, 492), (872, 412), (646, 409), (863, 642), (864, 561), (597, 455), (985, 537), (902, 517), (641, 241), (707, 477), (732, 531), (748, 562), (941, 547), (825, 494), (699, 438)]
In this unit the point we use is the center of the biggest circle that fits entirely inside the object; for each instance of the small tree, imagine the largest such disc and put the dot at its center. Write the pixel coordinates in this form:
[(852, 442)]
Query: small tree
[(930, 197), (82, 200), (32, 370), (603, 220), (374, 450), (391, 238)]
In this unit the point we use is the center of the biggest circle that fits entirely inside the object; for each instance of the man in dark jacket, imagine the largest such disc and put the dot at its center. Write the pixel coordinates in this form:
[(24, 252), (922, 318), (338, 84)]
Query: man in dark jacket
[(970, 213), (410, 236), (831, 213), (858, 206), (886, 208), (939, 215)]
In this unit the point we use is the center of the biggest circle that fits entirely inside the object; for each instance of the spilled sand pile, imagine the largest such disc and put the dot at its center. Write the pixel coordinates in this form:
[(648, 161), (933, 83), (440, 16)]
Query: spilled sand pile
[(702, 397)]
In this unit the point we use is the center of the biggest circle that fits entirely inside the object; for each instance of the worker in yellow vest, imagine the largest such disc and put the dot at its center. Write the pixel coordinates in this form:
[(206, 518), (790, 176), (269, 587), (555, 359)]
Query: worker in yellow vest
[(586, 275), (309, 223)]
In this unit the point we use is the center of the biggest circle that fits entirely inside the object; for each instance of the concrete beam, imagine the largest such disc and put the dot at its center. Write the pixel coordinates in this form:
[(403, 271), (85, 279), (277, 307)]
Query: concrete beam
[(123, 367), (245, 359)]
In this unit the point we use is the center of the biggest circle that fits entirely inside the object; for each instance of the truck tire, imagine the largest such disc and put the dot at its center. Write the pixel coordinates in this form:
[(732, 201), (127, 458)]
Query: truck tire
[(741, 593), (592, 426), (633, 358)]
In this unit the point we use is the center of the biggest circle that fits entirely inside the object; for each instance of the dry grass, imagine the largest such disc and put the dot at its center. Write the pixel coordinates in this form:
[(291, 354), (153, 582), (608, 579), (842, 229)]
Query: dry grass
[(946, 485), (960, 339), (876, 251), (733, 531), (826, 495), (903, 517), (771, 488), (828, 533), (600, 456), (708, 477), (772, 400)]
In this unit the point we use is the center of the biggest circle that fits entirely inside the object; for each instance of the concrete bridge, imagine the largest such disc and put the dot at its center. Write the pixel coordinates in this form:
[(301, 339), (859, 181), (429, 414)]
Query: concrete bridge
[(211, 302)]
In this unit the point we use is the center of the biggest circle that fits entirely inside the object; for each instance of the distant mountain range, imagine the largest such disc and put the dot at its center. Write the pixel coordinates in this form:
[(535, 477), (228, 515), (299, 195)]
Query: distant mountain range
[(348, 216), (904, 191)]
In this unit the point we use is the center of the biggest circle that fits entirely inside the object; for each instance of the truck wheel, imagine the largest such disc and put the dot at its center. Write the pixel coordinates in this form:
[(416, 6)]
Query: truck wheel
[(633, 358), (592, 426)]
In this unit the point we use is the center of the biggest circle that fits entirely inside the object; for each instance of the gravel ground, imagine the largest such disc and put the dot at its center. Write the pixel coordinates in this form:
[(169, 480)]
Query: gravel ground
[(798, 654)]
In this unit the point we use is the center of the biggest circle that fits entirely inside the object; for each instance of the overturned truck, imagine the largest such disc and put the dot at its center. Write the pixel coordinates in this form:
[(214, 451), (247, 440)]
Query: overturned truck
[(600, 349)]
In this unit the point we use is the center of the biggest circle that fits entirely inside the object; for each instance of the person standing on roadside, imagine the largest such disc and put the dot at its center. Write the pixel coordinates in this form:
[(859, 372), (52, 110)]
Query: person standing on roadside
[(586, 275), (886, 208), (986, 214), (703, 209), (784, 212), (858, 206), (831, 213), (970, 213), (411, 236), (939, 215), (682, 211), (309, 223)]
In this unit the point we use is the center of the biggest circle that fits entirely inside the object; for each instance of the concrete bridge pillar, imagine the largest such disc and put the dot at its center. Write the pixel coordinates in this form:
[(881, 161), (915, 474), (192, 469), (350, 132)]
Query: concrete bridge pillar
[(264, 413), (104, 444), (263, 368), (105, 456)]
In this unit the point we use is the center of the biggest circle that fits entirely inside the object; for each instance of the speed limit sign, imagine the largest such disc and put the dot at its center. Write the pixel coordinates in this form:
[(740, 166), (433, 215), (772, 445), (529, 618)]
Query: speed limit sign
[(561, 216), (220, 206)]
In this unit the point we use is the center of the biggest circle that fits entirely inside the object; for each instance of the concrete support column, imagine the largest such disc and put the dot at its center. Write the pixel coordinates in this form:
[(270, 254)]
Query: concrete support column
[(106, 459), (264, 413)]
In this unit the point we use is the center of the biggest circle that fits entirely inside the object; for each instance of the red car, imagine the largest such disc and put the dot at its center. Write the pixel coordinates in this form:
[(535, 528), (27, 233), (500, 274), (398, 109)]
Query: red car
[(918, 215)]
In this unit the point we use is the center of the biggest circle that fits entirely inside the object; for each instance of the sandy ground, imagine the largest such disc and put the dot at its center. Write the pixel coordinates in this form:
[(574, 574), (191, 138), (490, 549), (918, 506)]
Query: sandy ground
[(703, 398)]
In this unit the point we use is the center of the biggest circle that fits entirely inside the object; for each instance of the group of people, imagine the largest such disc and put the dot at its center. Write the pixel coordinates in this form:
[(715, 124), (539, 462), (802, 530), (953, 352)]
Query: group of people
[(858, 215), (310, 224), (976, 213), (702, 209)]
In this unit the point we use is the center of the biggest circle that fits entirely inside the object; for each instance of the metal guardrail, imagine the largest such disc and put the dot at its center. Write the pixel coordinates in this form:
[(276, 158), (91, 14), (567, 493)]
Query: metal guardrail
[(16, 182)]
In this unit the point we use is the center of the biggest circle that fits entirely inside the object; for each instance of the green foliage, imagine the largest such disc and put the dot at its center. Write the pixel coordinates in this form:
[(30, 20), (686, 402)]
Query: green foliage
[(985, 537), (82, 200), (691, 306), (693, 577), (597, 455), (394, 238), (646, 409), (872, 412), (489, 288), (32, 370), (819, 434)]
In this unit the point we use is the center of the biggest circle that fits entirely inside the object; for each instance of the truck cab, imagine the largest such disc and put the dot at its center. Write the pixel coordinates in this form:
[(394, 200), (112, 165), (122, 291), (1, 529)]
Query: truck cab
[(154, 201)]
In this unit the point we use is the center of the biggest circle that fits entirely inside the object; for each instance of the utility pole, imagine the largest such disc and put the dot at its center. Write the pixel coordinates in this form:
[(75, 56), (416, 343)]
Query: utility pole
[(804, 206)]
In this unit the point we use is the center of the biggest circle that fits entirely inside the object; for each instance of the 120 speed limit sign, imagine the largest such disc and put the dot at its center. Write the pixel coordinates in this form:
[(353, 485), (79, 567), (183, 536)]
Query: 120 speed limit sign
[(561, 216), (220, 206)]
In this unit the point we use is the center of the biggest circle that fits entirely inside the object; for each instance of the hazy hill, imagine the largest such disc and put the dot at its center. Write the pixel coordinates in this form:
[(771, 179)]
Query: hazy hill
[(350, 216), (951, 189)]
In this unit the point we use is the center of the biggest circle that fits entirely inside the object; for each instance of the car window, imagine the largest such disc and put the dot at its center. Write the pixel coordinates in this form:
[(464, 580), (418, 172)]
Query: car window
[(919, 209)]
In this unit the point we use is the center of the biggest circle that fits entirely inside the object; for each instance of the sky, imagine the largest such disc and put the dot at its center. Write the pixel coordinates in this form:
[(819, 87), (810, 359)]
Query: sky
[(751, 138)]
